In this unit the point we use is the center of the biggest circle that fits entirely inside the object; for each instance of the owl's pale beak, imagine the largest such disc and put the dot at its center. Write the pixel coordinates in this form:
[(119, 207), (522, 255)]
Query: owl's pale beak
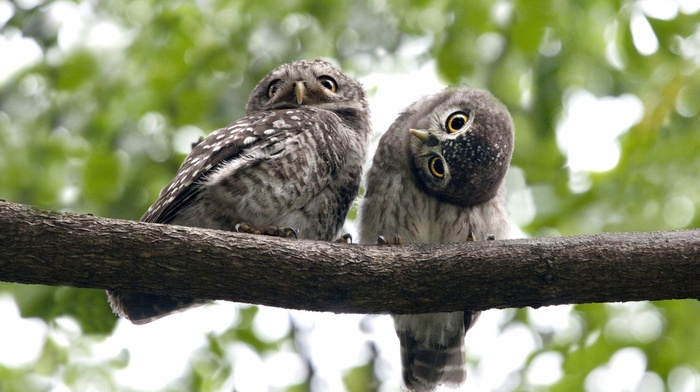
[(422, 135), (299, 91), (425, 137)]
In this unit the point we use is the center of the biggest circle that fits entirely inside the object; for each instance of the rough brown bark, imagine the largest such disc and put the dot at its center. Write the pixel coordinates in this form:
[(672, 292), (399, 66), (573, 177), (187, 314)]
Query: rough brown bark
[(43, 247)]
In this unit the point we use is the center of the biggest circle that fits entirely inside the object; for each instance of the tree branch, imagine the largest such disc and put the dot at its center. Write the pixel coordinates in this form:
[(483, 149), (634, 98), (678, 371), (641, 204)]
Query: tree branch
[(43, 247)]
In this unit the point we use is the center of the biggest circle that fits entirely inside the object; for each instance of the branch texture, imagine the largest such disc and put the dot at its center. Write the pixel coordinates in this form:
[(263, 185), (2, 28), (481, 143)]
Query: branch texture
[(43, 247)]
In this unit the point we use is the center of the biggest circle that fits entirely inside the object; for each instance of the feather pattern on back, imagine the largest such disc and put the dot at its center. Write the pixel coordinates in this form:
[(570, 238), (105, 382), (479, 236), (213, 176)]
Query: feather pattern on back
[(294, 161)]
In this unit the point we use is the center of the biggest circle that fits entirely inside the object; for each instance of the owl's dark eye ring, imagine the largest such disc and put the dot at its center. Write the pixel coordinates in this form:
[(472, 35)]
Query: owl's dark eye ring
[(437, 167), (328, 82), (456, 122), (272, 88)]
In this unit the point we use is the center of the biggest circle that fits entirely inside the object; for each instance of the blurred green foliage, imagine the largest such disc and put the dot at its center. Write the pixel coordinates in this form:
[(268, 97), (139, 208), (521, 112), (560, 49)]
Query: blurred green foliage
[(101, 120)]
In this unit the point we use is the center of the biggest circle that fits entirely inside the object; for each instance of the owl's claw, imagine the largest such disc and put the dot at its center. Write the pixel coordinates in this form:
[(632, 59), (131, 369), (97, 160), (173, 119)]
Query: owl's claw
[(246, 228), (471, 237), (344, 239), (397, 240), (286, 232)]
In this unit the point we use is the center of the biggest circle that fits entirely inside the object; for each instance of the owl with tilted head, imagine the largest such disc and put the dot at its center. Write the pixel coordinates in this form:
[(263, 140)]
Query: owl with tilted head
[(438, 177)]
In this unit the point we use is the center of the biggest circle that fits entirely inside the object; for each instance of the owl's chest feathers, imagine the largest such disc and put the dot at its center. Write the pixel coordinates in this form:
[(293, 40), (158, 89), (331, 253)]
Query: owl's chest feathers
[(431, 221), (306, 181), (421, 218)]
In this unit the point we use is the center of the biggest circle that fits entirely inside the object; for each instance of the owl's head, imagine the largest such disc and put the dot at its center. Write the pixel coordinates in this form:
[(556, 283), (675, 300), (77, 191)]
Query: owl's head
[(307, 83), (461, 143)]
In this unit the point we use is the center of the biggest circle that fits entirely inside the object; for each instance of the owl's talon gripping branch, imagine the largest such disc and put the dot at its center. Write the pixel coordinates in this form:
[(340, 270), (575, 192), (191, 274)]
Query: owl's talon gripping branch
[(287, 232), (246, 228), (396, 240), (344, 239), (274, 231), (471, 237)]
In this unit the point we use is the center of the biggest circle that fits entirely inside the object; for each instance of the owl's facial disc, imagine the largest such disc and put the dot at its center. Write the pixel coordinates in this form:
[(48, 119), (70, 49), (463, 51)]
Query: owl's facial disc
[(458, 160), (306, 90)]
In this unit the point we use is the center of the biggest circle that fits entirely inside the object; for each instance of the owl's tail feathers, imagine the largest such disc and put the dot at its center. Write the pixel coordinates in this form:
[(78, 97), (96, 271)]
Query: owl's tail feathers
[(142, 308), (427, 366)]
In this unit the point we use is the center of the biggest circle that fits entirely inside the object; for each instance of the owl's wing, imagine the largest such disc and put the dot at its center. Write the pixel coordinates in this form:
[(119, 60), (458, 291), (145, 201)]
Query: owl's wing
[(220, 145), (256, 132)]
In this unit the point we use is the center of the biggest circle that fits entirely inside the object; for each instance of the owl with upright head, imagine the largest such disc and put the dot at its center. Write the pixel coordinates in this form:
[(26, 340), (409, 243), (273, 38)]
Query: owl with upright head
[(438, 177), (291, 166)]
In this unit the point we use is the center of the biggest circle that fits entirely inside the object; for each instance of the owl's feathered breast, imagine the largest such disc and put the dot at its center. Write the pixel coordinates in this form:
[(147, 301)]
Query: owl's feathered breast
[(284, 142)]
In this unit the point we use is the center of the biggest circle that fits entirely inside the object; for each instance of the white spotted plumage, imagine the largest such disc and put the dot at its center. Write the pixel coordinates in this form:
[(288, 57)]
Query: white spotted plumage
[(294, 161)]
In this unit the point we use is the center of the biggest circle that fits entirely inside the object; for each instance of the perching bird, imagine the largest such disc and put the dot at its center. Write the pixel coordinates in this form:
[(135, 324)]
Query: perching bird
[(438, 175), (293, 165)]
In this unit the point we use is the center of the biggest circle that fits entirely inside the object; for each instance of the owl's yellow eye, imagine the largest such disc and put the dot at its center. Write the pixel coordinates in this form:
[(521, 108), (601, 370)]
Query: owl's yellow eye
[(272, 88), (328, 82), (437, 167), (457, 121)]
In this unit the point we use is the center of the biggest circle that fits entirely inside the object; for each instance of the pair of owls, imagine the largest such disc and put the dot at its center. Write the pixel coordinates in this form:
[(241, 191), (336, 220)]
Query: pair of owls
[(295, 161)]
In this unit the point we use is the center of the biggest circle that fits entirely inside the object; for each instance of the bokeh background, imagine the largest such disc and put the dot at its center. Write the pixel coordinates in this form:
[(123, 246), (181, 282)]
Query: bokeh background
[(99, 102)]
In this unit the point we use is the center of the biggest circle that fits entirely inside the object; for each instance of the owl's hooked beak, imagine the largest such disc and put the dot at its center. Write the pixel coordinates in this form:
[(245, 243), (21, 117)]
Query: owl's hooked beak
[(424, 136), (299, 91)]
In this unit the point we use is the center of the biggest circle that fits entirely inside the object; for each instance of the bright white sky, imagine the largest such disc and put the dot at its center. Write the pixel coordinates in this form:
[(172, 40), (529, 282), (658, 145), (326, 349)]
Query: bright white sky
[(587, 133)]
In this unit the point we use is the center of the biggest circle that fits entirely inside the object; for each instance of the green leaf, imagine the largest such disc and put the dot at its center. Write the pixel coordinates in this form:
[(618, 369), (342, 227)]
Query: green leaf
[(88, 307), (103, 177), (52, 357), (79, 68)]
